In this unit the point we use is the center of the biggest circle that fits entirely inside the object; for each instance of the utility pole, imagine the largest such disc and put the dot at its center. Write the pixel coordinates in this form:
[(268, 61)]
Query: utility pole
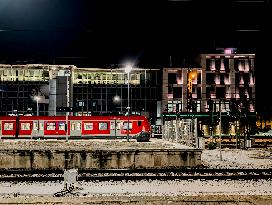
[(220, 129)]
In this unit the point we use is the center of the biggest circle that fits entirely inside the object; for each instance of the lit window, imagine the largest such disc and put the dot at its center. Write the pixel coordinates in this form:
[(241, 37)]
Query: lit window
[(35, 126), (8, 126), (61, 126), (78, 127), (88, 126), (73, 125), (103, 126), (125, 125), (41, 126), (25, 126), (51, 126)]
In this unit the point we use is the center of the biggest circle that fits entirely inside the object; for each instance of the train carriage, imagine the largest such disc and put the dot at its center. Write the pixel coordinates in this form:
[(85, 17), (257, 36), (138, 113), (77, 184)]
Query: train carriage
[(78, 126)]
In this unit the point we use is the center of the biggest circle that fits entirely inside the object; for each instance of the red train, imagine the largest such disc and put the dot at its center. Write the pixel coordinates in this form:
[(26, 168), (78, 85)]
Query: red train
[(78, 126)]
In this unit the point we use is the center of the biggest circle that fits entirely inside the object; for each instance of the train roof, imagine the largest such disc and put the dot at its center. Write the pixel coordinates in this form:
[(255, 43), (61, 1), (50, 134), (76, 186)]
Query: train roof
[(132, 117)]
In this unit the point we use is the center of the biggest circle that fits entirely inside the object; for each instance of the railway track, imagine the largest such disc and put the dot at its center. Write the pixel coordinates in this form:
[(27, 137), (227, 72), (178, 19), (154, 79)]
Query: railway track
[(138, 174)]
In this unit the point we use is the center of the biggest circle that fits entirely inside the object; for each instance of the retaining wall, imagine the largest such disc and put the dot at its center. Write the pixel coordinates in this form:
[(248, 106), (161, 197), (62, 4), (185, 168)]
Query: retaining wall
[(99, 159)]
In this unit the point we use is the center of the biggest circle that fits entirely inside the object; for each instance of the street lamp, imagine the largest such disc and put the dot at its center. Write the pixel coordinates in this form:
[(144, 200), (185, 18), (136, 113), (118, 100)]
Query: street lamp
[(128, 69), (37, 98)]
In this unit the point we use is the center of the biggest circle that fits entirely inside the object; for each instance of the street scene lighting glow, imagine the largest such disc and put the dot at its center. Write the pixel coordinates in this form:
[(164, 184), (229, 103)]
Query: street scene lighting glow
[(37, 98), (116, 99), (128, 68)]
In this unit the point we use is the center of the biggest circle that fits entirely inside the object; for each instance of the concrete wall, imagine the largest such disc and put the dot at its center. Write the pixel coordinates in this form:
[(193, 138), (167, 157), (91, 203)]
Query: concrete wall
[(99, 159)]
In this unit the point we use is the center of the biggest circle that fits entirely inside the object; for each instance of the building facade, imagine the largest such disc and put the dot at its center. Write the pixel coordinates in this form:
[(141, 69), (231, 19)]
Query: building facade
[(223, 82), (80, 91)]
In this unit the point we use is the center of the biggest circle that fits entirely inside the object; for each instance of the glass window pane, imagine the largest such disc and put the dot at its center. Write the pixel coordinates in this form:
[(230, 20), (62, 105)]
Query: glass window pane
[(8, 126), (88, 126), (61, 126), (51, 126), (103, 126), (125, 125), (78, 126), (25, 126)]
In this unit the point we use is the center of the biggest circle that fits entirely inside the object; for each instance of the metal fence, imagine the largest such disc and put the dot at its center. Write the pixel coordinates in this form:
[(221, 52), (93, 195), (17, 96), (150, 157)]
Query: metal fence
[(183, 131)]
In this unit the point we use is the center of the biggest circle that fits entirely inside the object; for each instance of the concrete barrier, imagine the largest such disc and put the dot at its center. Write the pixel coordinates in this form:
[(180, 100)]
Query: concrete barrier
[(99, 159)]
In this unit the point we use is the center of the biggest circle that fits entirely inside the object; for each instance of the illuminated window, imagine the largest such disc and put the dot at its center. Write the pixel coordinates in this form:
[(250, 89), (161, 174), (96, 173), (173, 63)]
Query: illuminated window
[(112, 125), (25, 126), (51, 126), (61, 126), (88, 126), (125, 125), (41, 126), (8, 126), (78, 127), (73, 126), (103, 126), (35, 126)]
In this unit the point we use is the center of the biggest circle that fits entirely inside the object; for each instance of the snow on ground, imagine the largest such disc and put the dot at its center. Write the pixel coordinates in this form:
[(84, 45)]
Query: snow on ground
[(231, 158), (94, 144), (237, 158), (144, 188)]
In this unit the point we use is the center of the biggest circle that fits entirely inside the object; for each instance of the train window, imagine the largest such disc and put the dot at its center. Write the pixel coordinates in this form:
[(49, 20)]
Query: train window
[(25, 126), (125, 125), (51, 126), (8, 126), (41, 126), (35, 126), (88, 126), (61, 126), (73, 126), (103, 126), (78, 127), (112, 125), (118, 125), (139, 123)]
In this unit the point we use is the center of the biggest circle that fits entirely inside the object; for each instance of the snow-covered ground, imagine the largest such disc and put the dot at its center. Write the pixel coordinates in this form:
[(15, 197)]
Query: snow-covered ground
[(254, 158), (237, 158), (144, 188), (94, 144), (231, 158)]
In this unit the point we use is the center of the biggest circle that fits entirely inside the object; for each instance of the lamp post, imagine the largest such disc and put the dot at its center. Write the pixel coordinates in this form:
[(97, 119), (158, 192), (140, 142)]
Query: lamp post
[(37, 98), (128, 69)]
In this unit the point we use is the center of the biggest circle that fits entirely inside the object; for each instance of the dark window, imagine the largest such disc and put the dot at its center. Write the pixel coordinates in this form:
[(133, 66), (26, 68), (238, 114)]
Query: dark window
[(170, 89), (217, 64), (226, 63), (220, 92), (199, 92), (172, 78), (208, 64), (222, 79), (177, 92), (199, 78), (139, 123), (210, 79)]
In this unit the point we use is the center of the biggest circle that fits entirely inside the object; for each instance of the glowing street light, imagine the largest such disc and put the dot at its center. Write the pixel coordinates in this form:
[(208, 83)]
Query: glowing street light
[(128, 69), (116, 99), (37, 98)]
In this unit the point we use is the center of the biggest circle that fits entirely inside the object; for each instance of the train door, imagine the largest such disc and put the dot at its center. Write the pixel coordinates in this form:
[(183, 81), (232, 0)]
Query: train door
[(115, 128), (38, 129), (75, 128)]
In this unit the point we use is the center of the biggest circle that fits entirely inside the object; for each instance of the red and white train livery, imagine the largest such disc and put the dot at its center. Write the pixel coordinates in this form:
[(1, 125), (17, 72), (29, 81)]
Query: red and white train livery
[(78, 126)]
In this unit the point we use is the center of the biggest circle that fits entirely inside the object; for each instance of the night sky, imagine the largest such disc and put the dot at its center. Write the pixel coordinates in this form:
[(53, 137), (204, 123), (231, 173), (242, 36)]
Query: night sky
[(105, 33)]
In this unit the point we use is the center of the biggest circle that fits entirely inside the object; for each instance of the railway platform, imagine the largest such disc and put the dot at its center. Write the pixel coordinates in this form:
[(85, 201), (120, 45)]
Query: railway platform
[(96, 154)]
